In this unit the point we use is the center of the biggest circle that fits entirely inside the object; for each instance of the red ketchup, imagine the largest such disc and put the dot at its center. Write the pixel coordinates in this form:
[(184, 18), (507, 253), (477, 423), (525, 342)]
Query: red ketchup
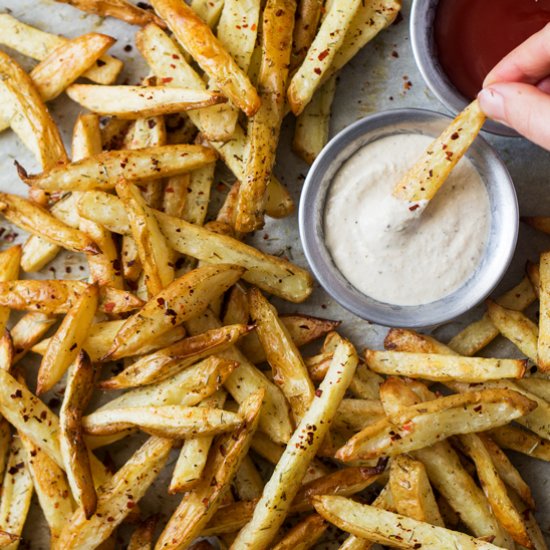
[(472, 36)]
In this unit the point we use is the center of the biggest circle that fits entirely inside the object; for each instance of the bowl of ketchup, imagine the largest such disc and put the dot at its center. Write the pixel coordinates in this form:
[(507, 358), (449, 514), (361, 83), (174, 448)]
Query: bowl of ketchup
[(457, 42)]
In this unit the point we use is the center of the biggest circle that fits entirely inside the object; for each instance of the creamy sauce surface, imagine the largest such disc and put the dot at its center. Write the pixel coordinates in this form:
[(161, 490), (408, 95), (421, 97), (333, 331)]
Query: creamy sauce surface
[(404, 253)]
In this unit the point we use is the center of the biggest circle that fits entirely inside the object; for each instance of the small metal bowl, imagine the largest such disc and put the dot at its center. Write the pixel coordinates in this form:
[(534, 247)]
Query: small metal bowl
[(425, 54), (498, 253)]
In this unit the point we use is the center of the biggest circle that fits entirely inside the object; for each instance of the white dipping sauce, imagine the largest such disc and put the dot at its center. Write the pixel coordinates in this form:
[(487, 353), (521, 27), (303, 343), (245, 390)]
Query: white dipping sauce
[(391, 251)]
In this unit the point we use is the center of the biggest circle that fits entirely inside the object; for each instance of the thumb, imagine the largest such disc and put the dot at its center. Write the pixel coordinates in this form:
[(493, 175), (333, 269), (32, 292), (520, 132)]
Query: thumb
[(521, 106)]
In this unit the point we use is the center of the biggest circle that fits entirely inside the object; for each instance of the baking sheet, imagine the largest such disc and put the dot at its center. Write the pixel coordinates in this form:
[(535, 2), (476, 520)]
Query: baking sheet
[(383, 76)]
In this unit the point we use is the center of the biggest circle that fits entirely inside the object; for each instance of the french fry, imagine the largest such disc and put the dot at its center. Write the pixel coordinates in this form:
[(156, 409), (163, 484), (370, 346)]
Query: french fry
[(535, 533), (424, 424), (120, 9), (399, 339), (6, 539), (28, 331), (154, 252), (307, 21), (303, 535), (64, 347), (533, 272), (199, 41), (208, 10), (515, 326), (133, 102), (543, 347), (437, 367), (289, 370), (412, 492), (320, 54), (194, 453), (183, 299), (197, 195), (80, 386), (51, 488), (9, 271), (173, 421), (355, 414), (541, 223), (27, 115), (103, 171), (38, 44), (168, 361), (17, 491), (385, 527), (312, 127), (521, 441), (142, 537), (224, 459), (117, 497), (284, 483), (34, 219), (495, 490), (5, 439), (248, 482), (480, 333)]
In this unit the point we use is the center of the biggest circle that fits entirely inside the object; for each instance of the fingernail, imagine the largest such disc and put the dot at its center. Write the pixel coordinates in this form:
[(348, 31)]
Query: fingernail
[(492, 104)]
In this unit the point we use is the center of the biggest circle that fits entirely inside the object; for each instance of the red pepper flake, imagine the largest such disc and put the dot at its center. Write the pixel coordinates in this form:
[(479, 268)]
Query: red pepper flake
[(318, 393), (317, 70), (253, 27), (323, 54), (109, 307), (408, 426), (166, 79), (414, 207), (456, 135)]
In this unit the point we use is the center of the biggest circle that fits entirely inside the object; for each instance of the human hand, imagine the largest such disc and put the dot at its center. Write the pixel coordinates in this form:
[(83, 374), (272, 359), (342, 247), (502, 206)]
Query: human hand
[(517, 91)]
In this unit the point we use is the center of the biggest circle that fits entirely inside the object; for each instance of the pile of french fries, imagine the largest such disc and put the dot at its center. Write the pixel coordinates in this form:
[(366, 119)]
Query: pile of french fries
[(270, 445)]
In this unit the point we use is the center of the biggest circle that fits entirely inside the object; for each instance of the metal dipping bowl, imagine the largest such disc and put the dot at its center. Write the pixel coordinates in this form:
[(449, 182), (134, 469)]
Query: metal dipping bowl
[(425, 54), (498, 253)]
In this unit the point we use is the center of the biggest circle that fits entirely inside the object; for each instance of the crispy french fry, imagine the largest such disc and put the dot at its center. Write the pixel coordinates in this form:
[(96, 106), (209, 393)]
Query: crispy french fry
[(154, 252), (197, 39), (38, 44), (284, 483), (437, 367), (17, 491), (248, 482), (307, 22), (75, 454), (183, 299), (430, 172), (120, 9), (265, 125), (426, 423), (173, 421), (64, 347), (34, 219), (543, 347), (194, 453), (140, 101), (9, 271), (304, 535), (521, 441), (320, 54), (117, 497), (312, 127), (399, 339), (198, 195), (166, 362), (103, 171), (142, 537), (208, 10), (479, 334), (355, 414), (289, 370), (28, 331), (388, 528), (224, 459), (535, 533), (23, 108)]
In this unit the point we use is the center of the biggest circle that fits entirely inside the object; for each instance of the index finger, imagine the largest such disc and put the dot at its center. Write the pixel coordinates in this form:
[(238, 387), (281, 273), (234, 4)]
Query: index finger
[(529, 62)]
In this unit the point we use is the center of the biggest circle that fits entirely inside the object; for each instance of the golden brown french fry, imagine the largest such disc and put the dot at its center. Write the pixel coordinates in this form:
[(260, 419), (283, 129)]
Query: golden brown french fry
[(312, 127), (437, 367), (194, 453), (430, 172), (538, 539), (9, 271), (28, 331), (495, 490), (533, 272), (6, 351), (17, 491), (355, 414), (424, 424), (175, 194), (154, 252), (385, 527), (208, 10), (399, 339), (120, 9), (80, 386), (412, 492), (480, 333), (183, 299), (142, 537), (248, 482), (103, 171), (23, 108), (168, 361), (284, 483), (51, 487), (264, 127), (6, 539), (140, 101), (113, 134), (521, 441), (304, 534), (307, 22), (543, 347), (173, 421), (199, 41), (289, 370), (199, 505), (198, 195), (542, 223), (5, 439), (38, 44), (117, 497), (320, 54), (34, 219), (64, 347)]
